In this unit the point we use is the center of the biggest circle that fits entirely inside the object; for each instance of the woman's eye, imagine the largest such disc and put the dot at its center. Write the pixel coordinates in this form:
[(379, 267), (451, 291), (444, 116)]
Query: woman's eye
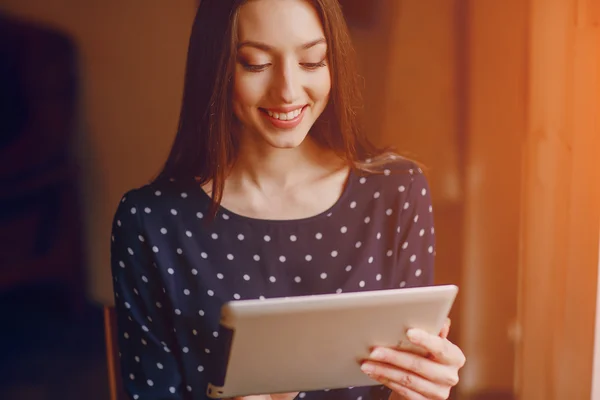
[(254, 67), (312, 66), (261, 67)]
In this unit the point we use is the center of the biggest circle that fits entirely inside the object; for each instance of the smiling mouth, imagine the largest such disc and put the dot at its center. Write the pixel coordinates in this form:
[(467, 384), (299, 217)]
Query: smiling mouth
[(284, 116)]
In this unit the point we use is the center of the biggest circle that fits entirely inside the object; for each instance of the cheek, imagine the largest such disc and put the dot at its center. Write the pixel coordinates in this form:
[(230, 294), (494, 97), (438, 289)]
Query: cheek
[(247, 91), (319, 86)]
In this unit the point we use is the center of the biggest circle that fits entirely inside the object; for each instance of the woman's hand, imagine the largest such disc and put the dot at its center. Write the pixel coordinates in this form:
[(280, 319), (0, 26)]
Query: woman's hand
[(278, 396), (415, 377)]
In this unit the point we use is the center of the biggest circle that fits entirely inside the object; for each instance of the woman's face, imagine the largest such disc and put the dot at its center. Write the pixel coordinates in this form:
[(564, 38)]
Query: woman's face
[(282, 80)]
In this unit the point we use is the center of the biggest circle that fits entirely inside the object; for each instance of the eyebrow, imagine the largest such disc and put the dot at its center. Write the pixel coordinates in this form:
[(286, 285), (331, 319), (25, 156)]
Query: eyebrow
[(266, 47)]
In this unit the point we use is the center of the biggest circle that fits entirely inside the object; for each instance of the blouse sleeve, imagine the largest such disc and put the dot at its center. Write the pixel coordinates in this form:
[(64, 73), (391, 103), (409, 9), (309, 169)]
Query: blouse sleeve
[(417, 244), (149, 366)]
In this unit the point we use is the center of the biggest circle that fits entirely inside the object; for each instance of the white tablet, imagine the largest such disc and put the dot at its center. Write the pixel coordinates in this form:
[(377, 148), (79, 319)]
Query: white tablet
[(316, 342)]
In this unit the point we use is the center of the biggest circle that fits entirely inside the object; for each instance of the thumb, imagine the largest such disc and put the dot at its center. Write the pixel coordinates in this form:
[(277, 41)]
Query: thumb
[(445, 329)]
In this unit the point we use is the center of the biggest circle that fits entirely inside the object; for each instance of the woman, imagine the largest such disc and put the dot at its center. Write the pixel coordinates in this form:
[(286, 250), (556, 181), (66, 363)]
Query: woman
[(270, 190)]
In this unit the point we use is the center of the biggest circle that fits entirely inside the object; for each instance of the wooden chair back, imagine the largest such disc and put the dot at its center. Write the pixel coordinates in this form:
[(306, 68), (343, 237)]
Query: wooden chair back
[(112, 355)]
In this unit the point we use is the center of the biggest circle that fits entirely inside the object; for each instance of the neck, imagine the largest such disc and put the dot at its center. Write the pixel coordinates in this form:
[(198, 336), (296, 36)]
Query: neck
[(268, 168)]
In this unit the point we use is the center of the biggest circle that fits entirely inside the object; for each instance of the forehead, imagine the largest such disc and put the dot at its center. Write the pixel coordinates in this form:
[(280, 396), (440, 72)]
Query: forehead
[(279, 23)]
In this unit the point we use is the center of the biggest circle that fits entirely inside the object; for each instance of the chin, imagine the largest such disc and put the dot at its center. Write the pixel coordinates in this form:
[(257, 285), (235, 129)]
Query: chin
[(285, 140)]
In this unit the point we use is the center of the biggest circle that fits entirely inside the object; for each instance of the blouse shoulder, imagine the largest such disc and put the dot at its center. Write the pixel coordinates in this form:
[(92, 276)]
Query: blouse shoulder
[(392, 169), (157, 194)]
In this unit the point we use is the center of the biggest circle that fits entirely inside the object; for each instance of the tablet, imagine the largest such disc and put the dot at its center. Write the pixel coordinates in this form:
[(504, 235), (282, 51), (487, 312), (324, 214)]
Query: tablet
[(316, 342)]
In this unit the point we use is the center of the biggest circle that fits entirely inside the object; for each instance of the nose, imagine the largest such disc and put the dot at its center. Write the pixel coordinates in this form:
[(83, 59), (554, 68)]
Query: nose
[(287, 83)]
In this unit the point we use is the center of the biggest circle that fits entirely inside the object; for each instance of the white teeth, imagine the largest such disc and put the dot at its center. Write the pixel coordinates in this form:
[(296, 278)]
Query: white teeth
[(285, 116)]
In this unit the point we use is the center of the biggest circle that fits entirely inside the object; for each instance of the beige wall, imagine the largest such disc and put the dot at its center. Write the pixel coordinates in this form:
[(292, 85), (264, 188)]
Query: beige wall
[(372, 46), (561, 202), (596, 365), (132, 64), (421, 92), (496, 93)]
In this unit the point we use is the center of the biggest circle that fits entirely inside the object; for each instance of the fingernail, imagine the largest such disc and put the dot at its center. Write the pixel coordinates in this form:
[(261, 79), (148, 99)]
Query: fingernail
[(413, 335), (367, 368), (377, 354)]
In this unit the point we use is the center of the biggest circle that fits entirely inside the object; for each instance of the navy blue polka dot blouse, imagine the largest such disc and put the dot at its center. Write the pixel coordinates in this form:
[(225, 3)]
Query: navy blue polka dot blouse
[(173, 272)]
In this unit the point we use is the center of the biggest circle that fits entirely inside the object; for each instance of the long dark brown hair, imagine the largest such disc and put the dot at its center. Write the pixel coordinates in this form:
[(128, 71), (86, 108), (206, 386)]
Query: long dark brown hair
[(205, 146)]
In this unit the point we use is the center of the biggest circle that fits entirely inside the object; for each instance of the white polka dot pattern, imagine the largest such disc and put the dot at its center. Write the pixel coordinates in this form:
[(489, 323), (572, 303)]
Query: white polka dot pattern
[(173, 272)]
